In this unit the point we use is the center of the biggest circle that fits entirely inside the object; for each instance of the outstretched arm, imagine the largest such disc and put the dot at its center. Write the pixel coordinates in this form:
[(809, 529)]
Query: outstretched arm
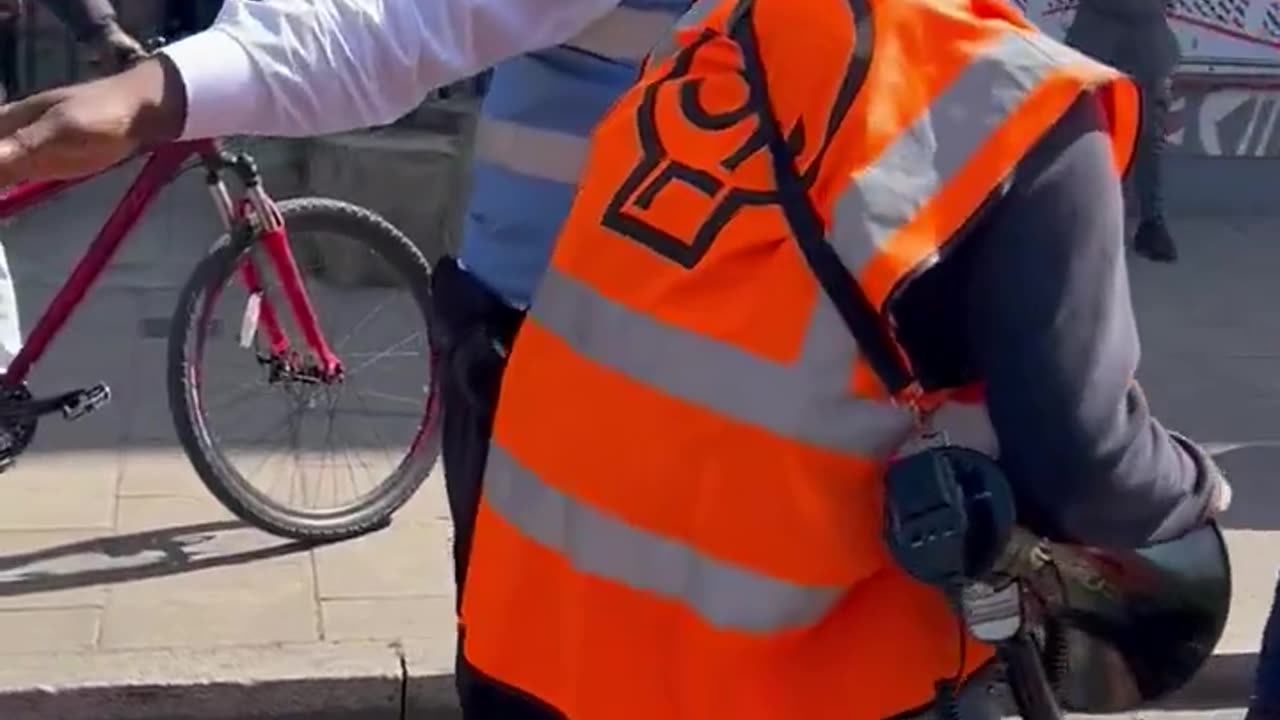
[(283, 67), (279, 67)]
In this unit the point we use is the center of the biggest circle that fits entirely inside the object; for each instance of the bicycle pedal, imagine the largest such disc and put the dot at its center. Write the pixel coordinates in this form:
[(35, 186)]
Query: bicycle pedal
[(83, 402)]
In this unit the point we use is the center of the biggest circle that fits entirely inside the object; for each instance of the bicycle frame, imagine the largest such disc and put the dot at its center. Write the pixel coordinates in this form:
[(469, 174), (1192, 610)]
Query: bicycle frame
[(255, 213)]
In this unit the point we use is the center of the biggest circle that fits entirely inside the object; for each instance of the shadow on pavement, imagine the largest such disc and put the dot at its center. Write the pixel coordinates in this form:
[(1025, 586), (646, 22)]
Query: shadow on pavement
[(125, 558)]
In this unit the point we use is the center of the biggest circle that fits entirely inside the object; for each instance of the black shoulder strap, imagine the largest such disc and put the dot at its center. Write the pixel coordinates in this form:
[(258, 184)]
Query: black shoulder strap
[(867, 326)]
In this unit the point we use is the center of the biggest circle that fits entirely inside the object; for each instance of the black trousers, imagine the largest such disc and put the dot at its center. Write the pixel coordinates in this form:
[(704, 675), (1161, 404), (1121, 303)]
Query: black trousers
[(471, 333), (9, 31), (1149, 153), (187, 17)]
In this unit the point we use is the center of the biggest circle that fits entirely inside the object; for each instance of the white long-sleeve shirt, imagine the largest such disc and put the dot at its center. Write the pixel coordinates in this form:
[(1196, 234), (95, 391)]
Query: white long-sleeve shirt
[(309, 67)]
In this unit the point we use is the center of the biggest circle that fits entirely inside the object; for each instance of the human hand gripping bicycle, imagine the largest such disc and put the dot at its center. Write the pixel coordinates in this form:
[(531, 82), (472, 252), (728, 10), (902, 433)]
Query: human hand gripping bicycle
[(294, 365)]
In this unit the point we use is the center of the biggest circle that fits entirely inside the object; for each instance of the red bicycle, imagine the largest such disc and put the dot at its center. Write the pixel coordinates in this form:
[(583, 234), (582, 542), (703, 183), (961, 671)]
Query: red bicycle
[(260, 268)]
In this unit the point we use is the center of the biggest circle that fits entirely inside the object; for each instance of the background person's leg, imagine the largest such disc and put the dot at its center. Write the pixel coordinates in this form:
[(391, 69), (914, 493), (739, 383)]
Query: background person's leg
[(181, 18), (1265, 703), (1153, 240), (208, 12), (8, 58), (469, 320)]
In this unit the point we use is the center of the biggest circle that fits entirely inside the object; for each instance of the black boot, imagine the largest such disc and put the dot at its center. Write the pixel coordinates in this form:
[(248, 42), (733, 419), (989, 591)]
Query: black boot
[(1153, 241)]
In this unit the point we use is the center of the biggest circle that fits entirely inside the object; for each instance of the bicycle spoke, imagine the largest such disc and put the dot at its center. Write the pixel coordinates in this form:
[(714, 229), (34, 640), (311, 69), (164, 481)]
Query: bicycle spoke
[(374, 427), (328, 437), (384, 353), (263, 462), (302, 472), (244, 391), (347, 451), (347, 338), (396, 398)]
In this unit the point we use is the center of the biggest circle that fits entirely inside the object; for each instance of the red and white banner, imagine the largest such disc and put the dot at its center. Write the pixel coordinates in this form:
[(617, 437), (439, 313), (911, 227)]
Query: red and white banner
[(1236, 37)]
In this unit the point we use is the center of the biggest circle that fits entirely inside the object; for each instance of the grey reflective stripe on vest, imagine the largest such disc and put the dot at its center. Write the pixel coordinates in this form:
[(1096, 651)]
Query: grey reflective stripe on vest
[(929, 153), (808, 400), (530, 151), (696, 14), (803, 401), (625, 33), (725, 596)]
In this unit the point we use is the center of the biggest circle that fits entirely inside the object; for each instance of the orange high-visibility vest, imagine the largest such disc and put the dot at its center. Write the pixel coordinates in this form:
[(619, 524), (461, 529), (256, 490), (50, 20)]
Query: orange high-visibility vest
[(682, 510)]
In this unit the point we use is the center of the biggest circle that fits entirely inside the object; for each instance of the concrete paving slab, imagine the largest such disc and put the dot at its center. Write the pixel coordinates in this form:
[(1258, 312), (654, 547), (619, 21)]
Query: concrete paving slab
[(405, 560), (217, 591), (1255, 565), (389, 618), (159, 473), (430, 502), (205, 580), (137, 617), (136, 514), (49, 629), (68, 490)]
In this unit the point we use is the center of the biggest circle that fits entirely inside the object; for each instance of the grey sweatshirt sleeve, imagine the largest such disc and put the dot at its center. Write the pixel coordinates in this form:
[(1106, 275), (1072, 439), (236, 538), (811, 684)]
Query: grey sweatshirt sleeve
[(1053, 336), (84, 18)]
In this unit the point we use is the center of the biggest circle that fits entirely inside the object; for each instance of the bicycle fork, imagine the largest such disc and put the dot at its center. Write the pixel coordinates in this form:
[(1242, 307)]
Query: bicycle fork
[(258, 214)]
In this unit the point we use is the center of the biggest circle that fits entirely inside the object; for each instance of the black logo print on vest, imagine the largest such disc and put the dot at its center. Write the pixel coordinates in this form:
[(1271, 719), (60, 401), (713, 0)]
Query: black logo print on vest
[(629, 211)]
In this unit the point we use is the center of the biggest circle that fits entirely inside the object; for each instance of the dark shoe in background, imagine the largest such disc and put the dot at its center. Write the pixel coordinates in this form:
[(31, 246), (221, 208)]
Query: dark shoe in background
[(1153, 242)]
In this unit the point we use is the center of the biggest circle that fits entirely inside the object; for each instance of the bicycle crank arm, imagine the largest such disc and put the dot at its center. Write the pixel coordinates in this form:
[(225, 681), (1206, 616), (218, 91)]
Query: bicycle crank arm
[(73, 405)]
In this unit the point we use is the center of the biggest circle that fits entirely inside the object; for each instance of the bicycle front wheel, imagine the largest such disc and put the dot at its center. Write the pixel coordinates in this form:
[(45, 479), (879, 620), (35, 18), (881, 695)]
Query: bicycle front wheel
[(285, 450)]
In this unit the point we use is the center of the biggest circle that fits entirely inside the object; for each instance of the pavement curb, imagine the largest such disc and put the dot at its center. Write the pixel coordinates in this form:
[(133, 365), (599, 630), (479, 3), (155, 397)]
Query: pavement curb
[(353, 681), (328, 681)]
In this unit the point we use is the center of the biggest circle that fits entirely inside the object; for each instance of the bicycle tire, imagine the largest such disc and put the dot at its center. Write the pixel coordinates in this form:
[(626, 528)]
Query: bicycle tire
[(376, 509)]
